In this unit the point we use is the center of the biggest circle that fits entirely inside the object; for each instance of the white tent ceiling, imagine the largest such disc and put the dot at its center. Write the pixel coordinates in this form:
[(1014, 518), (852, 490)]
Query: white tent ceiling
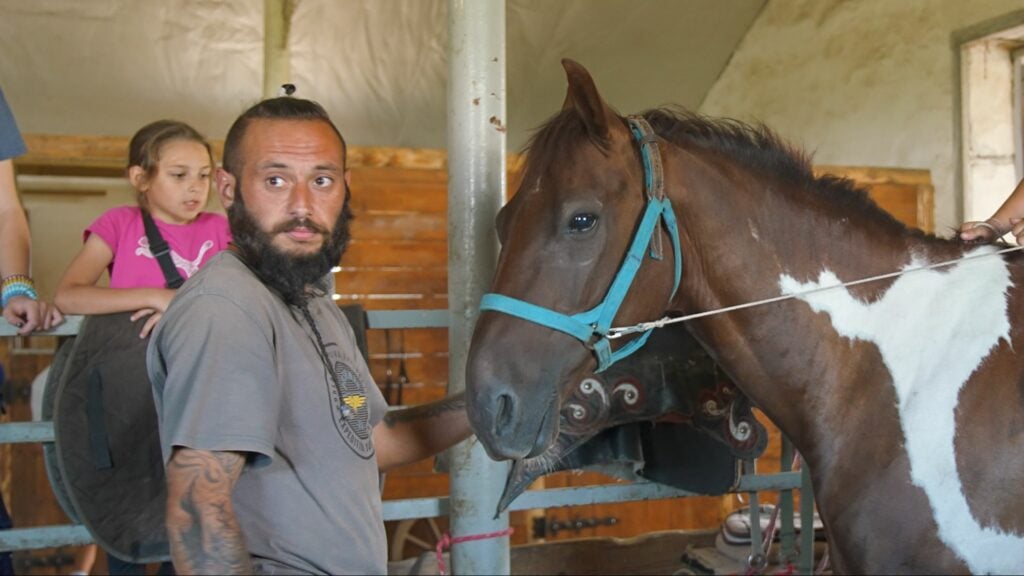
[(379, 66)]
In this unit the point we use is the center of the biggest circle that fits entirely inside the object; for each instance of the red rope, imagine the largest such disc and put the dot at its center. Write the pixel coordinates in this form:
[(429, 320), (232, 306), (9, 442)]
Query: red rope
[(447, 541), (789, 570)]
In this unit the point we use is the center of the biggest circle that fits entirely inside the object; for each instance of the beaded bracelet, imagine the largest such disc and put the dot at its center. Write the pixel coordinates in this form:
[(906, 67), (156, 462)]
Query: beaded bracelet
[(17, 285), (996, 234)]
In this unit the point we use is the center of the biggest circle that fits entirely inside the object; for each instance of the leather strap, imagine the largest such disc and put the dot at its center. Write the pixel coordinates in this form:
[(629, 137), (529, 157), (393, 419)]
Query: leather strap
[(96, 418), (162, 252)]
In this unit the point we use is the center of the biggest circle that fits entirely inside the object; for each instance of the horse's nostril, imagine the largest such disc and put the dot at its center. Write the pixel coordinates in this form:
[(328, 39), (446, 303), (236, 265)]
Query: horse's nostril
[(505, 411)]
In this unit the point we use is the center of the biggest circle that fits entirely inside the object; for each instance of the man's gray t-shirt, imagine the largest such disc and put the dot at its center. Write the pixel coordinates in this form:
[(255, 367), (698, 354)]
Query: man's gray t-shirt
[(235, 369)]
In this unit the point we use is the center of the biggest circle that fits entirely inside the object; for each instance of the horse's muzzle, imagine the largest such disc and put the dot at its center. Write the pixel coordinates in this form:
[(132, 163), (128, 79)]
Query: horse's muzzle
[(506, 426)]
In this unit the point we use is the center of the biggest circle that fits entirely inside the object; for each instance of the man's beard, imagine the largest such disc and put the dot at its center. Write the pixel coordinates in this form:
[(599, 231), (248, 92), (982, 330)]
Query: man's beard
[(290, 275)]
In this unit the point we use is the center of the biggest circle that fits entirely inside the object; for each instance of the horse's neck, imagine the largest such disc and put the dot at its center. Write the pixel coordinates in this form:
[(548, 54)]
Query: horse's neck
[(785, 355), (886, 387)]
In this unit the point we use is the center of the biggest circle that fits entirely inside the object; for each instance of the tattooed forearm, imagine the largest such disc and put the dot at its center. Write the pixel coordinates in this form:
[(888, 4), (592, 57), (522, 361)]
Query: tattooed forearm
[(204, 534), (426, 411)]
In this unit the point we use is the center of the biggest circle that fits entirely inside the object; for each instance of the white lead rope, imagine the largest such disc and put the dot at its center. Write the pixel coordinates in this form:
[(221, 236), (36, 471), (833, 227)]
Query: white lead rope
[(614, 333)]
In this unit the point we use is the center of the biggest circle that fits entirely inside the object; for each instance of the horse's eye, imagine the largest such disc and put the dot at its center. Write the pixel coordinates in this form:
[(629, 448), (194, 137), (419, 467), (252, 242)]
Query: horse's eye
[(582, 223)]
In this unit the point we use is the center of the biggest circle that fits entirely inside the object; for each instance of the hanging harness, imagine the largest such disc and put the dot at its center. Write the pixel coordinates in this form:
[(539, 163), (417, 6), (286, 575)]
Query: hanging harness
[(592, 327)]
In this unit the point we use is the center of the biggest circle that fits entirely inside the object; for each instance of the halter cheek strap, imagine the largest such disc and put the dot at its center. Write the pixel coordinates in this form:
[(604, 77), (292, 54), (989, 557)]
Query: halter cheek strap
[(592, 327)]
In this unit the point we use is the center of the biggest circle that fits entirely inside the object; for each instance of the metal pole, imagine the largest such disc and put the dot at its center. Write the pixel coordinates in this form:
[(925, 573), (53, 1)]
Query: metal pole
[(806, 522), (277, 20), (476, 190), (787, 533)]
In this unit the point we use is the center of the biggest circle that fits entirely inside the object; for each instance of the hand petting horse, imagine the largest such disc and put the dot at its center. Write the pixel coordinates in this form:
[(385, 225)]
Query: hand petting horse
[(903, 393)]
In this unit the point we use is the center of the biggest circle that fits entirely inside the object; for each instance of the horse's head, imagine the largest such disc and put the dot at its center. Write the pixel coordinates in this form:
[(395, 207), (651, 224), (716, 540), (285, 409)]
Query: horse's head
[(565, 236)]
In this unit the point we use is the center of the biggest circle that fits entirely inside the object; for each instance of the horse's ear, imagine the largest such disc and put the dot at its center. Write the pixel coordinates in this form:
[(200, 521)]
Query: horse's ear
[(583, 97)]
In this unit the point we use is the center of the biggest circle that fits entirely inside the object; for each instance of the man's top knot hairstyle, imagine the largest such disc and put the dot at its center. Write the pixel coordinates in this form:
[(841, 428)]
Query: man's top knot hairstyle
[(280, 108)]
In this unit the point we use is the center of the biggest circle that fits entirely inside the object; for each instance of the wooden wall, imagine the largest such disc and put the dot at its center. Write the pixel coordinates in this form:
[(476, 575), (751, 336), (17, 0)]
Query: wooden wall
[(398, 260)]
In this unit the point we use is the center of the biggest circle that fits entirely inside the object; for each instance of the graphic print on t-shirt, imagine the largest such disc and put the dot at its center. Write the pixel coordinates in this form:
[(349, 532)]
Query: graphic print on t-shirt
[(350, 391), (189, 267)]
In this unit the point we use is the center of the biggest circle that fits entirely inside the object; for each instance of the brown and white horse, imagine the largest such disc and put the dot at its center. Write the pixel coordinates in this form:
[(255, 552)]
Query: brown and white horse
[(904, 395)]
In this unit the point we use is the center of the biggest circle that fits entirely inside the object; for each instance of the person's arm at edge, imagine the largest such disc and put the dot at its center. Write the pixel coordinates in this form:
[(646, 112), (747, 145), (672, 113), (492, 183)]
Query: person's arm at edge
[(410, 434), (1008, 218), (204, 534), (15, 241), (15, 247)]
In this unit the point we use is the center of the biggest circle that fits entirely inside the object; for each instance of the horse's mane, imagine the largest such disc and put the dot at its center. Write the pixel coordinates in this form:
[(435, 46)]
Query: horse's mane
[(562, 131), (753, 146), (750, 145), (759, 148)]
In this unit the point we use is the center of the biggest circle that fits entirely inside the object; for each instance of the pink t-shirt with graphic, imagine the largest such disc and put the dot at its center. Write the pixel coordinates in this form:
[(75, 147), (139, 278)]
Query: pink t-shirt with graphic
[(134, 266)]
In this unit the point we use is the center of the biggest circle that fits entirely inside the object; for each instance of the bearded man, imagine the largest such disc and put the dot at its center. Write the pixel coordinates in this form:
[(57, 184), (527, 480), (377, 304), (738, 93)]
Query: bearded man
[(272, 429)]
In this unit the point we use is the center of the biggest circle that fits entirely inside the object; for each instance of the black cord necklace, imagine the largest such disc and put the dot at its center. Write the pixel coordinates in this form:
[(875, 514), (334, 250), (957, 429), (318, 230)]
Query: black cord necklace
[(346, 410), (321, 349)]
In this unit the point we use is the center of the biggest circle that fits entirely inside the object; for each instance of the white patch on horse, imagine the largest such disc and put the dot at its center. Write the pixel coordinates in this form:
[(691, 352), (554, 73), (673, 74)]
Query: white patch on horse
[(753, 229), (933, 329)]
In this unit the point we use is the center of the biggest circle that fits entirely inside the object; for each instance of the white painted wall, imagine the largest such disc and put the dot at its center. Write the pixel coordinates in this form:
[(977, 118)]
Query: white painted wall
[(988, 149), (107, 67), (858, 82), (378, 66)]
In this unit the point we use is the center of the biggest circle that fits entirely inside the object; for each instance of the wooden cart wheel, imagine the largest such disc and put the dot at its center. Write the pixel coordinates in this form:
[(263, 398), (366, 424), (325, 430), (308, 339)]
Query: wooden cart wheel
[(414, 537)]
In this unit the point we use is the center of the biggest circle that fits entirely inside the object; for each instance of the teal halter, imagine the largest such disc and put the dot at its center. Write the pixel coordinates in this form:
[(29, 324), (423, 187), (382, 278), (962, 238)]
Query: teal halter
[(592, 327)]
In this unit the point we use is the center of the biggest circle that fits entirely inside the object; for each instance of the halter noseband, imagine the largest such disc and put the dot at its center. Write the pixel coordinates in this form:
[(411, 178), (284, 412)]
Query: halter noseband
[(592, 327)]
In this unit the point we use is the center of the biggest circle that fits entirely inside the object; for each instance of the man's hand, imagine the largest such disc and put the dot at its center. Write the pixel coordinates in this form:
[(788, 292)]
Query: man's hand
[(204, 534)]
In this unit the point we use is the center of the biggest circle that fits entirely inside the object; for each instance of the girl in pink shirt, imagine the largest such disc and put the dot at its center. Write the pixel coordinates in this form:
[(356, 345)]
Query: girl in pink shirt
[(169, 165)]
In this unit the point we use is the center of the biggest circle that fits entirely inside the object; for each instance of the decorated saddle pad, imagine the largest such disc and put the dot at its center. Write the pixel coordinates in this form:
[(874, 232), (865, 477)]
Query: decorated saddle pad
[(664, 414), (107, 442), (46, 413)]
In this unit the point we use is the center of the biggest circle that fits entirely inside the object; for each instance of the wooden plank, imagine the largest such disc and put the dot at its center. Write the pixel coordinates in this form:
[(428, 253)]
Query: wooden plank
[(634, 518), (900, 200), (391, 281), (415, 485), (656, 553), (111, 152), (77, 154), (412, 396), (423, 158), (926, 208), (868, 175), (386, 302), (906, 193), (405, 227), (396, 175), (362, 253), (425, 340), (424, 370), (400, 197), (421, 467)]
